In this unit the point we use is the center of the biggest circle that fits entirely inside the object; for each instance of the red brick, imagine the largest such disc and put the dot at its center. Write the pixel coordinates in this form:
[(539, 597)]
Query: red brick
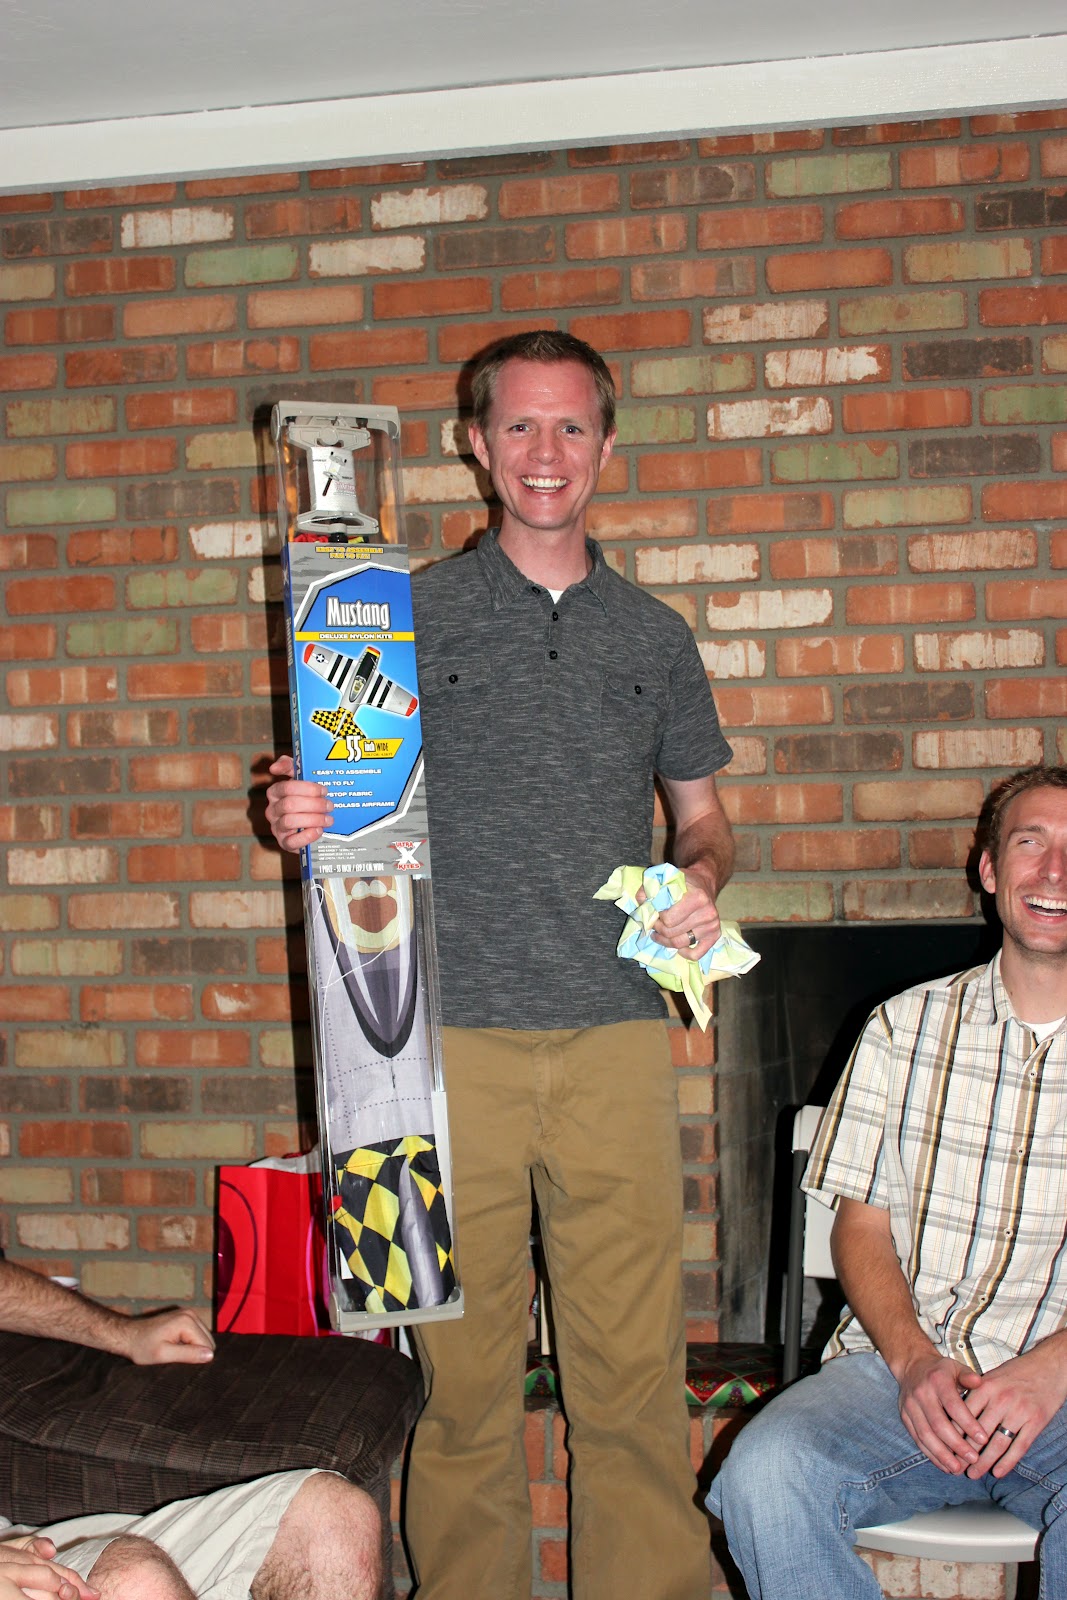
[(950, 165), (897, 132), (570, 194), (748, 805), (230, 358), (23, 552), (137, 1186), (1023, 502), (1027, 697), (625, 236), (180, 772), (460, 341), (59, 325), (121, 547), (449, 297), (28, 372), (578, 286), (696, 279), (829, 269), (204, 313), (344, 177), (137, 1002), (34, 1002), (615, 155), (184, 680), (850, 555), (181, 408), (842, 850), (769, 513), (277, 219), (1018, 121), (110, 458), (62, 686), (120, 275), (729, 144), (895, 219), (778, 705), (1012, 601), (432, 391), (940, 847), (127, 819), (150, 363), (74, 1140), (703, 469), (924, 799), (1041, 306), (157, 863), (247, 183), (134, 194), (920, 408), (984, 550), (192, 1047), (1053, 256), (844, 656), (666, 519), (30, 596), (910, 603), (246, 1002), (635, 330), (379, 347), (756, 227)]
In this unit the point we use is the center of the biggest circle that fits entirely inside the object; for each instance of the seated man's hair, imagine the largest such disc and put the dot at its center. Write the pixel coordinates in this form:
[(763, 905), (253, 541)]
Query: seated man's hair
[(548, 346), (991, 821)]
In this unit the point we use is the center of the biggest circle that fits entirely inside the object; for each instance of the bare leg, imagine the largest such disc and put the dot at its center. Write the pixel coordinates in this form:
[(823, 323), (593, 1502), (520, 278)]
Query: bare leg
[(135, 1569), (328, 1544)]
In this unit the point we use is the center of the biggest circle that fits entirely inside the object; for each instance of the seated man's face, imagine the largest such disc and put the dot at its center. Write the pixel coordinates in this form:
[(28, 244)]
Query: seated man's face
[(1029, 877)]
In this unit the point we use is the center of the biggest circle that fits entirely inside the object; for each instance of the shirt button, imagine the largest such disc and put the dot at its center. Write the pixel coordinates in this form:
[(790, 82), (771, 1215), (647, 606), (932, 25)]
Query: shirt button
[(555, 616), (453, 677), (553, 655), (534, 589), (637, 688)]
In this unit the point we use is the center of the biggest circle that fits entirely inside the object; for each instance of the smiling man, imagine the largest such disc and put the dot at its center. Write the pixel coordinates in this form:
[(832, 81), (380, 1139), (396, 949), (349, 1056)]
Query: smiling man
[(944, 1151), (552, 693)]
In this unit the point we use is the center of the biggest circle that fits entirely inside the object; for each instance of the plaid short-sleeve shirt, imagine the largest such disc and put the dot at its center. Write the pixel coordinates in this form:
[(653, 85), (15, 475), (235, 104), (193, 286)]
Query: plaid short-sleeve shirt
[(952, 1117)]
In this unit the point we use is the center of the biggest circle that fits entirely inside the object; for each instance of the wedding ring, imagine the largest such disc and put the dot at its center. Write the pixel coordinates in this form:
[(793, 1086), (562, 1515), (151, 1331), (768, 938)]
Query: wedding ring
[(693, 940), (1000, 1428)]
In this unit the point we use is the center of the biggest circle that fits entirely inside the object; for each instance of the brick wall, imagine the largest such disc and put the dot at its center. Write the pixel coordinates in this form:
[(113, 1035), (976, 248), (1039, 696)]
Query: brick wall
[(843, 458)]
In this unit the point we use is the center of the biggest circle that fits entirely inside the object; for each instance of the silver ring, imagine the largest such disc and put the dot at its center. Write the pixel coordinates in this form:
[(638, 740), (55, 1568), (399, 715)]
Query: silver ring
[(693, 940), (1000, 1428)]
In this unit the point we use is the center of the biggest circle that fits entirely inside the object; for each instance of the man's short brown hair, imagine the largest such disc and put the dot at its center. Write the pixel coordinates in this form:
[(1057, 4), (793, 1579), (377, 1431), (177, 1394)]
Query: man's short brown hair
[(548, 346), (1038, 777)]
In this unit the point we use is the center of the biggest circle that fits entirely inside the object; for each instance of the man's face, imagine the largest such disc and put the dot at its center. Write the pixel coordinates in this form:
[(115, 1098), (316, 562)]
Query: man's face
[(543, 445), (1029, 878)]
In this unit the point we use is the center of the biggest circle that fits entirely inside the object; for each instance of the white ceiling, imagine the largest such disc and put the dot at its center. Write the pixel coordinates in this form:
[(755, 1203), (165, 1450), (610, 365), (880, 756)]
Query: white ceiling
[(142, 89)]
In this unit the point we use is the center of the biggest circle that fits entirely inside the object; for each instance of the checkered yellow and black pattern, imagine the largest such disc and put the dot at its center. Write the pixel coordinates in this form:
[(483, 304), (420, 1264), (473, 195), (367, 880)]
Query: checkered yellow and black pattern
[(379, 1235)]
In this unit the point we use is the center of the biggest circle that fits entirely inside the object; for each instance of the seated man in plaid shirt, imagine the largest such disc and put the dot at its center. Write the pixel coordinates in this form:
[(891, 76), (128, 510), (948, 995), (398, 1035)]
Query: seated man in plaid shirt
[(944, 1154)]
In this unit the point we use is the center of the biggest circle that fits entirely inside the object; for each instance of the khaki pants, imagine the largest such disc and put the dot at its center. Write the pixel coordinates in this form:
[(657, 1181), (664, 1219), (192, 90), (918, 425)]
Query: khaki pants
[(591, 1115)]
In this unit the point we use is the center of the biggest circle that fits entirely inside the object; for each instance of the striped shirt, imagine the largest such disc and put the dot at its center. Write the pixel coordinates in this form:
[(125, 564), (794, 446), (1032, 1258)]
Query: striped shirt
[(952, 1117)]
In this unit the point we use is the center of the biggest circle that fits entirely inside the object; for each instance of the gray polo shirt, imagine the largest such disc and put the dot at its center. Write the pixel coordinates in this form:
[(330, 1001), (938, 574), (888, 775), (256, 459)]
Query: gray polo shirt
[(544, 722)]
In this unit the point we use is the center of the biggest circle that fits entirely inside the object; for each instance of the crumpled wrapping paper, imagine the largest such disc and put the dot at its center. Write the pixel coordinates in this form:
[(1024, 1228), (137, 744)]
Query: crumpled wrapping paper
[(663, 885)]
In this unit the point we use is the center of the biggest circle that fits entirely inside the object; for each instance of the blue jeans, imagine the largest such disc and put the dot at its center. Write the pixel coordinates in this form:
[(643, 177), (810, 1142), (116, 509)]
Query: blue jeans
[(830, 1455)]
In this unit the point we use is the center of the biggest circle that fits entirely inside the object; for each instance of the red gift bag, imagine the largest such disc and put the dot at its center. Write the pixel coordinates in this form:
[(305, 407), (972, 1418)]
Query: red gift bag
[(271, 1249)]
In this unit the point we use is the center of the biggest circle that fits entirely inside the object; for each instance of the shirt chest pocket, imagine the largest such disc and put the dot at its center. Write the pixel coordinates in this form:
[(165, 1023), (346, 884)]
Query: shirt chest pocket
[(631, 714), (458, 702)]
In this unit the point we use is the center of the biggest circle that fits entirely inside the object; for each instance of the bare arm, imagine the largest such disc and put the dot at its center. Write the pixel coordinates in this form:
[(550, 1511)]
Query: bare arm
[(704, 849), (32, 1304), (298, 812), (931, 1405)]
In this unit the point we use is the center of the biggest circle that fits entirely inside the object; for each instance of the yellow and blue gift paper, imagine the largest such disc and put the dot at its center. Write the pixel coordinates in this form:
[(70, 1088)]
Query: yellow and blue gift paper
[(663, 885)]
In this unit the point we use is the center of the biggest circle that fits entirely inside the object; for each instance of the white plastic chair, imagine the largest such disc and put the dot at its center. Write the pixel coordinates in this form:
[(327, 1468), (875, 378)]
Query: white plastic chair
[(973, 1532)]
